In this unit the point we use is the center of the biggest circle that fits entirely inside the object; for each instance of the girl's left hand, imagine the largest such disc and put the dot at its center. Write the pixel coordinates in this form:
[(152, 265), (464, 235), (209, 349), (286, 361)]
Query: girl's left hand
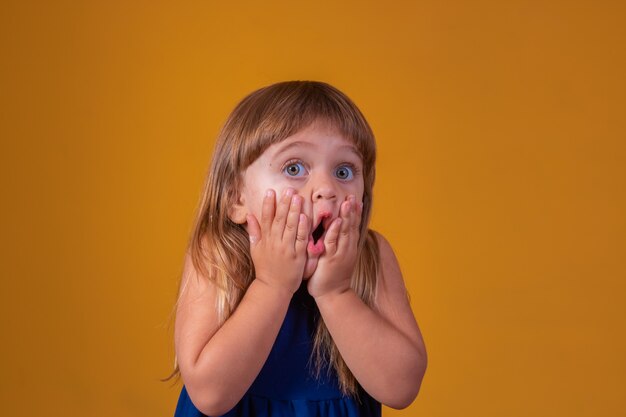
[(335, 267)]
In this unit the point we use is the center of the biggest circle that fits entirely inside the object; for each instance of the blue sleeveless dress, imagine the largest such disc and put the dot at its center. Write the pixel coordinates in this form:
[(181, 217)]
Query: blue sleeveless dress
[(286, 385)]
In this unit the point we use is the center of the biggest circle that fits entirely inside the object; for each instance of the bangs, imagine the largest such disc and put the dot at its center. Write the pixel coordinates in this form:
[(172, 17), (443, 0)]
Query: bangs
[(271, 114)]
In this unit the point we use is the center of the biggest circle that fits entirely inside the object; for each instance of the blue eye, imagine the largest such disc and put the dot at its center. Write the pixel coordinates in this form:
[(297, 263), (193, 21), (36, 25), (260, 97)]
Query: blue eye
[(344, 172), (294, 169)]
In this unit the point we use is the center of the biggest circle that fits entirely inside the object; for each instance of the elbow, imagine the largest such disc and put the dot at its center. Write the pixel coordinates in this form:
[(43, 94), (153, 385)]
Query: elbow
[(400, 404), (212, 409), (210, 404), (403, 399), (404, 394), (208, 393), (210, 399)]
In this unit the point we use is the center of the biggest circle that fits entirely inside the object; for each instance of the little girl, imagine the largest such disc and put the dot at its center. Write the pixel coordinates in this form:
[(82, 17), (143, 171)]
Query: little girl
[(289, 305)]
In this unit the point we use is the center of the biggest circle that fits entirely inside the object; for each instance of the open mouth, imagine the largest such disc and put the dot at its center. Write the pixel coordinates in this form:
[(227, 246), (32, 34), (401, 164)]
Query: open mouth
[(315, 247), (318, 232)]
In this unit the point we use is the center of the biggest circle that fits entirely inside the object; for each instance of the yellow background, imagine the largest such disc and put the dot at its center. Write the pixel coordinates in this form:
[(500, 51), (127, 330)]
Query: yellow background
[(501, 185)]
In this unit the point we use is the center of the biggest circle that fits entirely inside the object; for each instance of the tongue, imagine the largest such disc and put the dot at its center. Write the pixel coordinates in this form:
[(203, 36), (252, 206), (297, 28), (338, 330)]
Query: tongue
[(315, 248)]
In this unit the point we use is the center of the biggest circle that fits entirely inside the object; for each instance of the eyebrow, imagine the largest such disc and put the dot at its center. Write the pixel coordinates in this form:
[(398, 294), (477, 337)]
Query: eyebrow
[(285, 148)]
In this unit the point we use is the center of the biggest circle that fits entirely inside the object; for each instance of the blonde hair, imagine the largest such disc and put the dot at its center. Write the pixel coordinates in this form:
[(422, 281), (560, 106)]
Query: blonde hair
[(220, 248)]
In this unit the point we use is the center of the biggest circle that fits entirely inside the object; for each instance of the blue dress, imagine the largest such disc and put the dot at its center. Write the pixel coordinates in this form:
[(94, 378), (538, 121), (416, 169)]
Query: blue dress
[(286, 385)]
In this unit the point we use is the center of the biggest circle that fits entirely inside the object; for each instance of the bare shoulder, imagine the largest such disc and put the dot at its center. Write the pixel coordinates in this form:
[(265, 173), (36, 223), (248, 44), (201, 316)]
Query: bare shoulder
[(192, 282), (390, 280), (392, 297)]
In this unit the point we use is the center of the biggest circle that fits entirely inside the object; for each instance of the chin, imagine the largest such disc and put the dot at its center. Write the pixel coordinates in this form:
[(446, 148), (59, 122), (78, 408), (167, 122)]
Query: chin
[(309, 268)]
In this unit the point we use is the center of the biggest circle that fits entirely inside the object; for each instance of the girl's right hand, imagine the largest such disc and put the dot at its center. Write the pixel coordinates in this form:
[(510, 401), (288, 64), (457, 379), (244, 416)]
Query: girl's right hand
[(278, 243)]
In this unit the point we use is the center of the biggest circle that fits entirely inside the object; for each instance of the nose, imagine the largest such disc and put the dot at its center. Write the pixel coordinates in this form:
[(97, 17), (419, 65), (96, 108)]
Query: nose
[(324, 188)]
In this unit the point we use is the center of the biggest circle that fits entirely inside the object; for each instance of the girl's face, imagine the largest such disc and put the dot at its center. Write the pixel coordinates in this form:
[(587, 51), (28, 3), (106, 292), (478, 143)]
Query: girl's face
[(320, 165)]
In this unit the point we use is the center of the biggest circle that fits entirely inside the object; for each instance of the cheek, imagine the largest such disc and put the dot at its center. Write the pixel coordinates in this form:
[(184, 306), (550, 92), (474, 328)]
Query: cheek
[(278, 184), (256, 196), (357, 190), (254, 203)]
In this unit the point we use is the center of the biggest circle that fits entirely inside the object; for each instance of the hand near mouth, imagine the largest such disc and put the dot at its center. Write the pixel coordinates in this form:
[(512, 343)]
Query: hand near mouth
[(278, 243), (336, 265)]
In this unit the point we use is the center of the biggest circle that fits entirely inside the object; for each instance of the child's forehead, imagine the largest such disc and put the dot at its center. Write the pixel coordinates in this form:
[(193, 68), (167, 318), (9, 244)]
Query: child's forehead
[(323, 138)]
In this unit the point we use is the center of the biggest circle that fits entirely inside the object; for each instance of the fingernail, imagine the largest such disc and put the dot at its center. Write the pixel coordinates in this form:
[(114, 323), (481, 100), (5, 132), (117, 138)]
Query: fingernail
[(253, 239), (289, 192), (268, 193)]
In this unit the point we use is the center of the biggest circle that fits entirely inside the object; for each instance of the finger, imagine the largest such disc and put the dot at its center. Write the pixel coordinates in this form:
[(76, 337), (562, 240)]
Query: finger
[(354, 214), (332, 236), (267, 211), (302, 234), (293, 218), (346, 212), (282, 210), (359, 214), (254, 229)]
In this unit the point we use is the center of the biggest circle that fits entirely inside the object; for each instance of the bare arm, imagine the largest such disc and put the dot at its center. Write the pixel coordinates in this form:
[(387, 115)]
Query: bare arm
[(383, 347), (218, 364)]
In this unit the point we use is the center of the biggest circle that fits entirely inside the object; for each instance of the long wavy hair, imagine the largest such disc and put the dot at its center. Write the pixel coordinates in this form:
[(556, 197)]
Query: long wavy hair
[(220, 248)]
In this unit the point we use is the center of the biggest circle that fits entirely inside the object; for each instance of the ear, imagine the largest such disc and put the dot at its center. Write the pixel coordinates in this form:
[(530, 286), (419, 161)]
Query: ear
[(237, 212)]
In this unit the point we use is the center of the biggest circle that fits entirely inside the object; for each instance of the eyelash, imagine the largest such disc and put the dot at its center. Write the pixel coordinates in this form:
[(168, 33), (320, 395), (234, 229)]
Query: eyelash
[(353, 168), (291, 162)]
